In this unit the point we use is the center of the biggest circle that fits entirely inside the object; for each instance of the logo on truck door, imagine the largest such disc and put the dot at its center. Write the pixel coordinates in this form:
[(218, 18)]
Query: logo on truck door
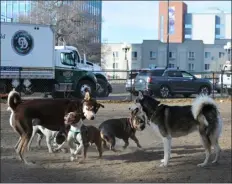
[(22, 42)]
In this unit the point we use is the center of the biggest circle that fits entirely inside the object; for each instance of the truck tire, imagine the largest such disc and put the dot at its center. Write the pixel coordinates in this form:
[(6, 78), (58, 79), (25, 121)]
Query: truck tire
[(82, 85), (103, 90)]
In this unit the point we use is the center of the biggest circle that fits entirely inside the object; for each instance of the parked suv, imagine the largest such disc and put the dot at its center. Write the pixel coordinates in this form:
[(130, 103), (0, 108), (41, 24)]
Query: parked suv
[(167, 82)]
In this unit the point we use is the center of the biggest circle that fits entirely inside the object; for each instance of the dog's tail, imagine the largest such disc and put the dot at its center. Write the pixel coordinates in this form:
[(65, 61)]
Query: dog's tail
[(206, 112), (13, 100)]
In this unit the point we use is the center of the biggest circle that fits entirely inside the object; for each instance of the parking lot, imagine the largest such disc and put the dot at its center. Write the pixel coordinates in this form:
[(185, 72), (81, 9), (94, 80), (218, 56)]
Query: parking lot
[(130, 165)]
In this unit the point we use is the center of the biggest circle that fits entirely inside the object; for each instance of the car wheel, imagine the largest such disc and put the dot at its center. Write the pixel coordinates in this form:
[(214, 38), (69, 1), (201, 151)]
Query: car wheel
[(164, 92), (204, 90), (83, 85), (187, 95), (102, 90)]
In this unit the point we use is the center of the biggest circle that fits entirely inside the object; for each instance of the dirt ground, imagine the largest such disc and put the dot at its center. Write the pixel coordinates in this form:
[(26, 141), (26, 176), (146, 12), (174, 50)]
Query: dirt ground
[(130, 165)]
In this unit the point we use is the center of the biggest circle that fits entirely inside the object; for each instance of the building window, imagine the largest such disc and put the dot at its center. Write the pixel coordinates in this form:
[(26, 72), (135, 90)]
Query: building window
[(207, 66), (219, 37), (171, 65), (188, 19), (115, 65), (221, 54), (191, 55), (188, 26), (134, 55), (115, 54), (207, 55), (188, 31), (188, 37), (172, 55), (191, 67), (152, 55)]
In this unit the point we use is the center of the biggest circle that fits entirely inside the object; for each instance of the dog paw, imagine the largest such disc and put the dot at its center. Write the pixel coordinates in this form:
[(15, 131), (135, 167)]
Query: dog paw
[(162, 160), (214, 161), (50, 151), (201, 165), (72, 159), (139, 146), (163, 165)]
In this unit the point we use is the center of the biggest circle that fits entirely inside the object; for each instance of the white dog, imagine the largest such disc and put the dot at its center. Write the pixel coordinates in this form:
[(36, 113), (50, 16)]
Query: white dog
[(74, 138)]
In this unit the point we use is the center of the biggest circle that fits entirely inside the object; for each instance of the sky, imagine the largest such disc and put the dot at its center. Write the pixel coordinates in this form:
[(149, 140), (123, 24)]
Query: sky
[(135, 21)]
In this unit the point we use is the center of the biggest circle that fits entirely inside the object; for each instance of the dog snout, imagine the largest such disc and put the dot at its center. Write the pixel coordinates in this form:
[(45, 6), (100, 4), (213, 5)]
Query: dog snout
[(92, 118)]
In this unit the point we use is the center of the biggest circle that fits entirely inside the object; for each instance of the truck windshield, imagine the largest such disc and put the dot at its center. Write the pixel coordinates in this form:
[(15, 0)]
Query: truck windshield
[(67, 59)]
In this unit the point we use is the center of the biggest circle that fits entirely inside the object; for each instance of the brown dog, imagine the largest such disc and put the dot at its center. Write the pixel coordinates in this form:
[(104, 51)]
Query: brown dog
[(81, 135), (50, 112)]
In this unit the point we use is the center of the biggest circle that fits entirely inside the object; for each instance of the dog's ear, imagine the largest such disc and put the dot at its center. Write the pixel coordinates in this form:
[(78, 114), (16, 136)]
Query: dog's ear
[(140, 95), (135, 111)]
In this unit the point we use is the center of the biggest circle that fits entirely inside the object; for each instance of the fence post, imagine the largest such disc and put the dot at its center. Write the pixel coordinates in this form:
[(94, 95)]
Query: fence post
[(131, 86), (213, 84), (221, 82), (20, 70)]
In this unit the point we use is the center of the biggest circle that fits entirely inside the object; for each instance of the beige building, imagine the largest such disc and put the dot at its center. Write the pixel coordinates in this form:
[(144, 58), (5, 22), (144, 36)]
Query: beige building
[(191, 55)]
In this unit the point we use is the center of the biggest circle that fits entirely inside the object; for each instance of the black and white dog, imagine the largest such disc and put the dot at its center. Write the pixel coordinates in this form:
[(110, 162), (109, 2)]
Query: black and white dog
[(176, 121)]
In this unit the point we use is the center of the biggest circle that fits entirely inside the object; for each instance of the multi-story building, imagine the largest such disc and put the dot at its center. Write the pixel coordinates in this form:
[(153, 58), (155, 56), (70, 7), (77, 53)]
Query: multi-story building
[(207, 27), (191, 55), (11, 10)]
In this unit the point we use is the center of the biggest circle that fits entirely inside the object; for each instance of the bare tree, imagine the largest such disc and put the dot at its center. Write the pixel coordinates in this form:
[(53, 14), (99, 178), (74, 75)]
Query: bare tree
[(71, 24), (105, 51)]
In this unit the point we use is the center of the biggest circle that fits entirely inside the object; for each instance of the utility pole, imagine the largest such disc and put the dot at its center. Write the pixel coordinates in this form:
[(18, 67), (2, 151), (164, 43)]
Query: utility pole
[(167, 36)]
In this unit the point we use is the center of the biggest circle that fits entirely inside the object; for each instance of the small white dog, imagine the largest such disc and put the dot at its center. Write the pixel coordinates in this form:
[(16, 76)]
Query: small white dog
[(74, 138), (49, 134)]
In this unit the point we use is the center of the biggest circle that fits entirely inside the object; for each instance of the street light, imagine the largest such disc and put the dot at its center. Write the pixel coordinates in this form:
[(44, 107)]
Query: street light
[(126, 48)]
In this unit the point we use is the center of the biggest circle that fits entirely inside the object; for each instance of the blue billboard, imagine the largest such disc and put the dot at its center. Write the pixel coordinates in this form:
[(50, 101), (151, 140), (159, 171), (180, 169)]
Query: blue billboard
[(171, 15)]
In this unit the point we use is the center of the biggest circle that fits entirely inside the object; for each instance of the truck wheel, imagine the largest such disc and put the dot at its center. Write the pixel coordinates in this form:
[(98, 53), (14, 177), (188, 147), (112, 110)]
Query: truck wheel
[(81, 87), (102, 90), (164, 92)]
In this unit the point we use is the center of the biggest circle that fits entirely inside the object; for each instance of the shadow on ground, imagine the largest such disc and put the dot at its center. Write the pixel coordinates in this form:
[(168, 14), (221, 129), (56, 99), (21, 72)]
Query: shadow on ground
[(186, 170)]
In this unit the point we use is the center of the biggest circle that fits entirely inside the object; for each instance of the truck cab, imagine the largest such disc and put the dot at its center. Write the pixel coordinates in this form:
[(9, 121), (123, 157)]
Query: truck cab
[(104, 87)]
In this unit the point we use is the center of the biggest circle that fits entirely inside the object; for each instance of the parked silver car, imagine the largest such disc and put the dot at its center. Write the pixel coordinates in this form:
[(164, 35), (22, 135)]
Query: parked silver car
[(130, 82)]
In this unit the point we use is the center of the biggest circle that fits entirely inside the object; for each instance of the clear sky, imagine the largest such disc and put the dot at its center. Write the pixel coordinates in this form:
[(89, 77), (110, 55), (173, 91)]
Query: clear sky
[(134, 21)]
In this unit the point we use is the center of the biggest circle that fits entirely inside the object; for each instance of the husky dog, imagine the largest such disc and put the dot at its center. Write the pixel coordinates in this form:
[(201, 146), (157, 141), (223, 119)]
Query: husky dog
[(176, 121)]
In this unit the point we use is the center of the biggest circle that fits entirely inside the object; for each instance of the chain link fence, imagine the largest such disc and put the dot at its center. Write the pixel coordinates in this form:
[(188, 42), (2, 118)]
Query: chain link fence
[(111, 84)]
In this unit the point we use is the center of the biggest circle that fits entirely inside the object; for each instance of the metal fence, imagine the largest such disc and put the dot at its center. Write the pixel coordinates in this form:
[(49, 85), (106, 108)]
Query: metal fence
[(34, 82)]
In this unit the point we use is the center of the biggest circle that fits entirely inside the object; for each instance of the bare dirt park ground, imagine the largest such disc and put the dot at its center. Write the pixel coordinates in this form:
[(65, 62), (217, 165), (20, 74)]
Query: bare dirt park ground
[(131, 165)]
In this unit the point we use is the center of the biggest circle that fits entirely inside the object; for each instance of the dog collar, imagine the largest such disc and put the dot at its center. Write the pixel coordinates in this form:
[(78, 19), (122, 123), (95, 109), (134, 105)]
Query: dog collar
[(74, 130)]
